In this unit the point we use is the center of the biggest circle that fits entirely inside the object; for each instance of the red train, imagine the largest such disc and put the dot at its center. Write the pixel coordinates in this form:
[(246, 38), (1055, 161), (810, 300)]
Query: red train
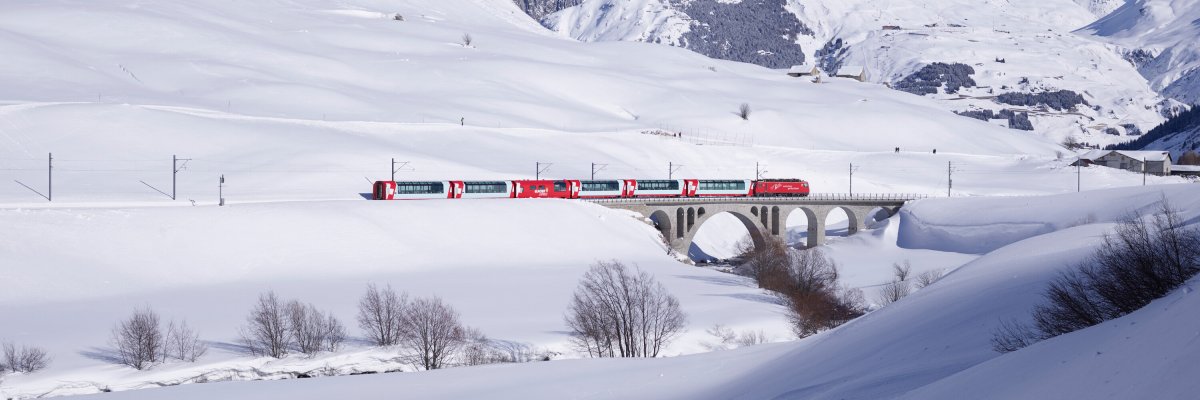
[(600, 189)]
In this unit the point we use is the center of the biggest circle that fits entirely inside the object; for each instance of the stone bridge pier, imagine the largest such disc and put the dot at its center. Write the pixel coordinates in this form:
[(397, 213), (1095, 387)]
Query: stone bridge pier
[(680, 220)]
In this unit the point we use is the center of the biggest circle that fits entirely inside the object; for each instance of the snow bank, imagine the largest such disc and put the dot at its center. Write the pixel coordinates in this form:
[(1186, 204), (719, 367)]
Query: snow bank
[(980, 225)]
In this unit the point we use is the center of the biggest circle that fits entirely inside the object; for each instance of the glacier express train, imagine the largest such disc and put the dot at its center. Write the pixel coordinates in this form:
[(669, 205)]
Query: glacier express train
[(584, 189)]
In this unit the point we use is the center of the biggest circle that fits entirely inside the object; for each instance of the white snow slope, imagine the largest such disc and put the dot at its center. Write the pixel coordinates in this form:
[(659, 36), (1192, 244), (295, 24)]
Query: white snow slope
[(930, 345), (301, 103), (1032, 37)]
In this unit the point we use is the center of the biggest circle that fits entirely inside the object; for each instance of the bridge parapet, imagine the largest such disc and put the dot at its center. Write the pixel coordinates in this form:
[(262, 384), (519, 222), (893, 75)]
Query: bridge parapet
[(678, 219)]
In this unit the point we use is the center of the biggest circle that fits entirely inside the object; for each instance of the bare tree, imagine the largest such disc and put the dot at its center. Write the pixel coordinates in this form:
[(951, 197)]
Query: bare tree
[(744, 111), (23, 359), (139, 339), (183, 343), (893, 291), (929, 277), (311, 330), (380, 314), (902, 271), (432, 332), (266, 329), (335, 333), (618, 312)]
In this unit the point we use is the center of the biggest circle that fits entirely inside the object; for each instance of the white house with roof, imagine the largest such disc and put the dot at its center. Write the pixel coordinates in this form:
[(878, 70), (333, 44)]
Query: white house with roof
[(1153, 162), (852, 72), (803, 70)]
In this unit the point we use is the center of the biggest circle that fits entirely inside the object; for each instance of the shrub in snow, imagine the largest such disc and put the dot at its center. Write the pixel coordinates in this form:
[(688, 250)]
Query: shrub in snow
[(23, 359), (744, 111), (929, 277), (1143, 260), (807, 281), (618, 312), (139, 339), (728, 339), (431, 332), (931, 77), (467, 40), (480, 350), (380, 315)]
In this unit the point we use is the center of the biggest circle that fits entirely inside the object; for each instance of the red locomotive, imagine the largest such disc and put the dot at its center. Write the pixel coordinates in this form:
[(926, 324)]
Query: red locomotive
[(580, 189)]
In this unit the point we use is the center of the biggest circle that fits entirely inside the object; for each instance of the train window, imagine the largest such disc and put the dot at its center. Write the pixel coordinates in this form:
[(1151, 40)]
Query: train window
[(486, 187), (419, 187), (560, 186), (599, 186), (658, 185)]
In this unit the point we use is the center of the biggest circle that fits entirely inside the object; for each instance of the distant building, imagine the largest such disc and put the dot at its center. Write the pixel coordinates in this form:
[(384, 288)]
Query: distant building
[(891, 27), (853, 72), (1153, 162), (1186, 171), (804, 70)]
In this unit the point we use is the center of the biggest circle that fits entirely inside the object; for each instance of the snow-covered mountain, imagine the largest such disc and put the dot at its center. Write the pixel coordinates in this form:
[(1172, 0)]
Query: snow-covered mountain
[(1159, 36), (1017, 53)]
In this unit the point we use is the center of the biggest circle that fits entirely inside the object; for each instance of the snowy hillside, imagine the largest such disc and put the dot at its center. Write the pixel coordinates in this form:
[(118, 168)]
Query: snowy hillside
[(1159, 36), (930, 345), (291, 108), (1016, 48)]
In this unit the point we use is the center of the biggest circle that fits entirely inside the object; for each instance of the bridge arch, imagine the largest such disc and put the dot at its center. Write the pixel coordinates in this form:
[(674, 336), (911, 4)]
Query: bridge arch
[(662, 222), (814, 223), (757, 234)]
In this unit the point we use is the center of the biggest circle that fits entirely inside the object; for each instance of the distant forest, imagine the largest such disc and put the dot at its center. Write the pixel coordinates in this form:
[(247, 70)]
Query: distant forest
[(1187, 121)]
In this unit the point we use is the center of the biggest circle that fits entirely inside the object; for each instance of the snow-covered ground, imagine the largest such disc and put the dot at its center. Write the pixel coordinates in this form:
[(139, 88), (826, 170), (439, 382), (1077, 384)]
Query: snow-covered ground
[(931, 345), (300, 104)]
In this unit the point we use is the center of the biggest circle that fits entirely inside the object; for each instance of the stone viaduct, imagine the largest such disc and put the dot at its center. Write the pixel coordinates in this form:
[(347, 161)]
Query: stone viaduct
[(680, 218)]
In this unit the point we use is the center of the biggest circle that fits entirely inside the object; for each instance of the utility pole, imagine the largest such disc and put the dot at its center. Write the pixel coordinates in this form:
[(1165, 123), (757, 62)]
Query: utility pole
[(671, 168), (221, 190), (852, 169), (50, 177), (595, 170), (949, 177), (758, 172), (403, 164), (175, 168), (540, 169), (1143, 171)]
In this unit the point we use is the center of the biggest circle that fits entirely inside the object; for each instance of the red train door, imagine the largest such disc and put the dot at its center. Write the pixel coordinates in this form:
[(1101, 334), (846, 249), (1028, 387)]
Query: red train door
[(456, 190), (629, 188), (690, 186)]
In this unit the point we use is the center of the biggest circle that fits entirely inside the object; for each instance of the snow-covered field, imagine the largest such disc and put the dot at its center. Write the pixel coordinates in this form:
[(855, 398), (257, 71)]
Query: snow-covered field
[(930, 345), (300, 104)]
